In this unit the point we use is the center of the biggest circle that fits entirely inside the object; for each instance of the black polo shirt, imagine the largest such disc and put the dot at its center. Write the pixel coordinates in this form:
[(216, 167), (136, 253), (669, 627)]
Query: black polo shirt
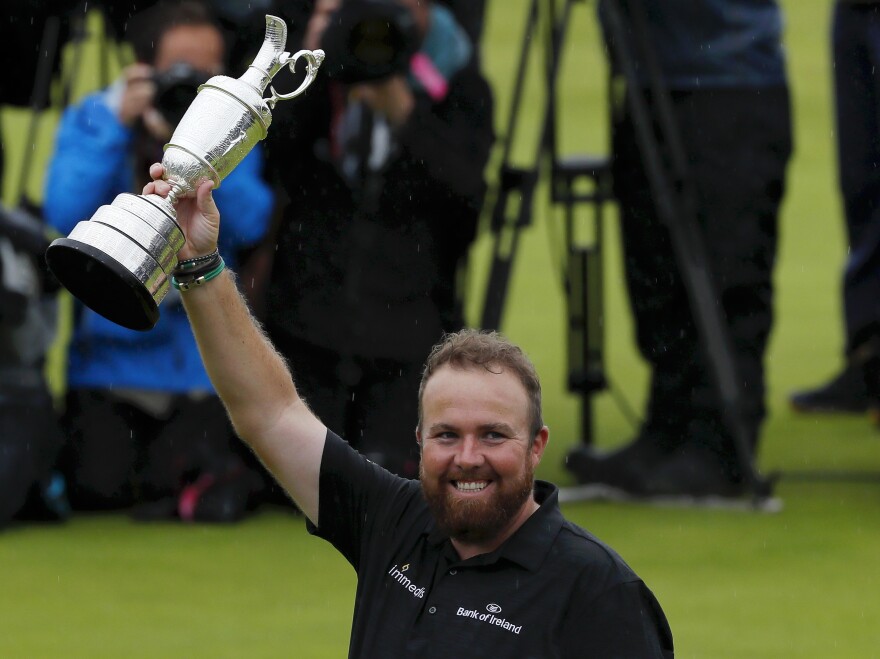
[(551, 590)]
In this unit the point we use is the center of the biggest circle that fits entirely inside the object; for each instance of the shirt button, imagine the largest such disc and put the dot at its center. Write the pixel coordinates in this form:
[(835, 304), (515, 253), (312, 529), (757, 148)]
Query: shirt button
[(453, 572), (432, 610)]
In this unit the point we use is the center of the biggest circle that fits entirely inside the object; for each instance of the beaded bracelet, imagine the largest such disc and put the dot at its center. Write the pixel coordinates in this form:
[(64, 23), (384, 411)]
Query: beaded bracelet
[(196, 277), (206, 262)]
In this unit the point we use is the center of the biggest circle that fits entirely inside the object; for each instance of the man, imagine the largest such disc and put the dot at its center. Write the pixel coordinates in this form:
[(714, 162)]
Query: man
[(143, 423), (856, 54), (724, 67), (478, 561), (384, 194)]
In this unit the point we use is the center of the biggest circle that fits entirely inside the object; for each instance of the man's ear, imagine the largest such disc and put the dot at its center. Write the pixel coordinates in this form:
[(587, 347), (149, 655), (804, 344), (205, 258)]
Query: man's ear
[(419, 436), (540, 443)]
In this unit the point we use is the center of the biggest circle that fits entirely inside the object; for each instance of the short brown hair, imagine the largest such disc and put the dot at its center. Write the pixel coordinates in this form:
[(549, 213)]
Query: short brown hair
[(471, 347), (146, 29)]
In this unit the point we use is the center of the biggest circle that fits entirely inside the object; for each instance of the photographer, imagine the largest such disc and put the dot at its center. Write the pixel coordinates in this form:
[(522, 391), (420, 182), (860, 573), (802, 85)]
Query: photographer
[(383, 164), (143, 422)]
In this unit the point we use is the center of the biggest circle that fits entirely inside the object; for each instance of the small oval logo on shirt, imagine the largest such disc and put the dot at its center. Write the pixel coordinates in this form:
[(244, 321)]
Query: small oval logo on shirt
[(493, 608)]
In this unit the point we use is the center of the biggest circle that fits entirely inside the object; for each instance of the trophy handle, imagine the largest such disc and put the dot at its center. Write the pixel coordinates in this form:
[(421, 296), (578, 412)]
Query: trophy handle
[(313, 59)]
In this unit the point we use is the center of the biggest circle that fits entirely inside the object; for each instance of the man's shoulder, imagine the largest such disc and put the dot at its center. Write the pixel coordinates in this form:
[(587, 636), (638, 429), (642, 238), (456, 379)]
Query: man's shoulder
[(584, 552), (359, 499), (342, 465)]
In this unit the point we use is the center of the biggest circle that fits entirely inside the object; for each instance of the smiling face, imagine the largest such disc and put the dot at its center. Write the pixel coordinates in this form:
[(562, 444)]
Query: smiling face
[(478, 463)]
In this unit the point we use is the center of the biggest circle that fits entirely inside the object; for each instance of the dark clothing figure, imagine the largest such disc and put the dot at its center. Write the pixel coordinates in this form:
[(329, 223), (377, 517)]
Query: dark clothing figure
[(856, 56), (378, 221), (723, 65), (551, 590), (738, 145), (30, 437), (856, 43)]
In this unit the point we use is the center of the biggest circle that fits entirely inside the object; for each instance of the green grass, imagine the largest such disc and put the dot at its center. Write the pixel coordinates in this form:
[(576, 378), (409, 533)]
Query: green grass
[(800, 583)]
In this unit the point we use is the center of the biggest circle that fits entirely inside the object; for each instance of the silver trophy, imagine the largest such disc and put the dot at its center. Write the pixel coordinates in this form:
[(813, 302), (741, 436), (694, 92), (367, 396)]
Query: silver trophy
[(119, 262)]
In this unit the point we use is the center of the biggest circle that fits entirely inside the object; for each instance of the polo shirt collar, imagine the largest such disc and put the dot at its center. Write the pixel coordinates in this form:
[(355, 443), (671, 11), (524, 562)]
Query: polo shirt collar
[(531, 542)]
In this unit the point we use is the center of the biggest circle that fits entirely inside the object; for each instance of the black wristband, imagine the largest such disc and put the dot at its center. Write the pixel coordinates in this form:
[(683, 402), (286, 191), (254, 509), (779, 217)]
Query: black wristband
[(196, 277), (197, 266), (189, 264)]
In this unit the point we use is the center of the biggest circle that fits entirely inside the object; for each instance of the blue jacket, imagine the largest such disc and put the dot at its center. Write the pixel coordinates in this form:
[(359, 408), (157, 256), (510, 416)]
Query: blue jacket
[(92, 163)]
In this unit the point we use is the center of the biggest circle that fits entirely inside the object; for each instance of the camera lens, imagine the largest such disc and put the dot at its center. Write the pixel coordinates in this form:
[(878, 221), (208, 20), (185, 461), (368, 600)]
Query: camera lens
[(375, 42), (369, 40), (176, 89)]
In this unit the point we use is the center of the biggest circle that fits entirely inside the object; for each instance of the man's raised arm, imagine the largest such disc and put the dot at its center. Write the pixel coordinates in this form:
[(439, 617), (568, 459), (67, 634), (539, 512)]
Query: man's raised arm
[(249, 375)]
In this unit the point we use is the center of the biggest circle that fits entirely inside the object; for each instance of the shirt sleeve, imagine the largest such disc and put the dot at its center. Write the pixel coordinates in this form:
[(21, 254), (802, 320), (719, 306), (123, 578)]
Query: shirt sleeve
[(357, 499), (623, 621)]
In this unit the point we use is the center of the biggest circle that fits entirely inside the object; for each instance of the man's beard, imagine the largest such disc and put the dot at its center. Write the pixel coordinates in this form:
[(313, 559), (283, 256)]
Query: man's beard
[(476, 519)]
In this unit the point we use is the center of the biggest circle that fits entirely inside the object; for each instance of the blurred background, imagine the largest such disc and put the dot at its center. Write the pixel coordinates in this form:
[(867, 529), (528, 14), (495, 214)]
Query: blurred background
[(734, 583)]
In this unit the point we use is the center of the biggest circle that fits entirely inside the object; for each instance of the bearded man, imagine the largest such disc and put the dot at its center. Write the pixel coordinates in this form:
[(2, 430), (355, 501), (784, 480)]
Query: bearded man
[(475, 561)]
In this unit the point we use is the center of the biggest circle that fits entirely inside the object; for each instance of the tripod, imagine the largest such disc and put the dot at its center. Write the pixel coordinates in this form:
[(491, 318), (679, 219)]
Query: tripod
[(69, 25), (576, 181), (660, 144)]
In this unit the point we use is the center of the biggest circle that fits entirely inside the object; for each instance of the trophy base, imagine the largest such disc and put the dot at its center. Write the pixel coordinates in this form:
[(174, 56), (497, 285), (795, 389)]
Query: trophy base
[(103, 284)]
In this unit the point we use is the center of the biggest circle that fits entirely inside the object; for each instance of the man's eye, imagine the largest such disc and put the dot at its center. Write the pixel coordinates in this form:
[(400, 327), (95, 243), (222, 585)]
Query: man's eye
[(494, 436)]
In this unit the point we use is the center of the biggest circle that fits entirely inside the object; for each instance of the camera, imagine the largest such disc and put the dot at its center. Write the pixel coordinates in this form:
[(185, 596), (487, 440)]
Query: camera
[(369, 40), (176, 88)]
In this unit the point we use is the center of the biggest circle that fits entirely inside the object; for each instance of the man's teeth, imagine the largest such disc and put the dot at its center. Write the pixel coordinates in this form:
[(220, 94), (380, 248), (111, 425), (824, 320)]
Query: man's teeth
[(471, 486)]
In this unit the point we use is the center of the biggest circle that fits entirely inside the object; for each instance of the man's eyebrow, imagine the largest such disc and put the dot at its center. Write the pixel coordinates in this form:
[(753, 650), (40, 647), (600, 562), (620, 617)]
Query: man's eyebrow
[(441, 427), (499, 427)]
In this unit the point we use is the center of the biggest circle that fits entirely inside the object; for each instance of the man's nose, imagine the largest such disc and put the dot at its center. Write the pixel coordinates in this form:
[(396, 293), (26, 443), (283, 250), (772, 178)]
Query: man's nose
[(470, 453)]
